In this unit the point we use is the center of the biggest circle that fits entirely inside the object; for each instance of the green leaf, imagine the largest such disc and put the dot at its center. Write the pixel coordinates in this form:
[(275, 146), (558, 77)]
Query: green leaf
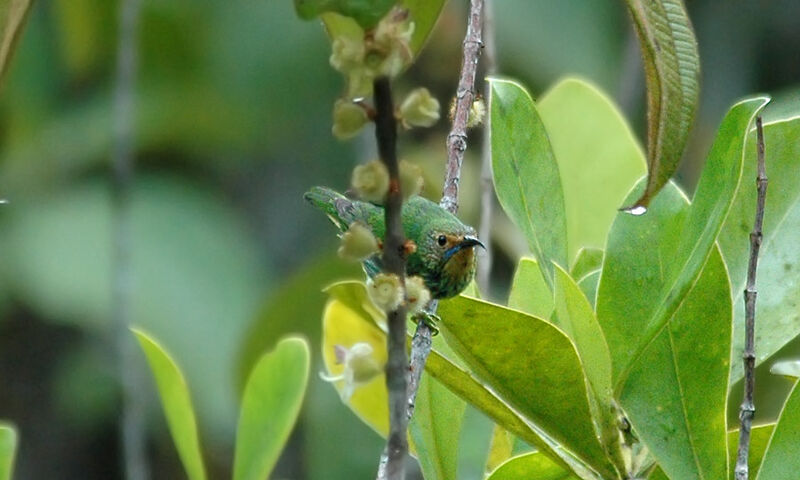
[(672, 72), (424, 14), (270, 405), (501, 448), (787, 368), (526, 176), (529, 292), (177, 404), (759, 438), (676, 392), (12, 19), (599, 158), (532, 365), (366, 12), (8, 450), (435, 429), (531, 465), (586, 271), (652, 261), (777, 320), (781, 460)]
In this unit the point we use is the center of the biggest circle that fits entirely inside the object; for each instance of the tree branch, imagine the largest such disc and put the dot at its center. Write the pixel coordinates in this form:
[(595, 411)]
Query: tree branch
[(747, 410), (392, 464), (132, 434)]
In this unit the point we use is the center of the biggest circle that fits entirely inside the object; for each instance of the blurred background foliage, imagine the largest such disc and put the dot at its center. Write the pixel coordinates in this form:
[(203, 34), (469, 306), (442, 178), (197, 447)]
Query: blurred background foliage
[(233, 125)]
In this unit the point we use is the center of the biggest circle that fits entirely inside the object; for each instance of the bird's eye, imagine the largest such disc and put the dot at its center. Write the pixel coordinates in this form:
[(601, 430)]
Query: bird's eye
[(442, 240)]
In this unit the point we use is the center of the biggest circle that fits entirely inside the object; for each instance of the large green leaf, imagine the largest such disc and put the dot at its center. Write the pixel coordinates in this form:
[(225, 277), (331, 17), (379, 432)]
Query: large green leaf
[(177, 404), (599, 159), (8, 450), (530, 465), (532, 365), (12, 19), (366, 12), (672, 72), (777, 321), (652, 261), (526, 176), (676, 392), (435, 429), (781, 459), (270, 405), (529, 291)]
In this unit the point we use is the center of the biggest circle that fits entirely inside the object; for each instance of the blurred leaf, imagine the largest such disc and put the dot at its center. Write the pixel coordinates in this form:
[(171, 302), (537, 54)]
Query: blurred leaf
[(777, 320), (678, 413), (366, 12), (526, 176), (759, 438), (270, 405), (435, 429), (781, 460), (529, 292), (651, 261), (516, 354), (500, 448), (12, 18), (424, 14), (531, 465), (672, 72), (787, 368), (196, 274), (177, 404), (586, 271), (8, 450), (599, 159)]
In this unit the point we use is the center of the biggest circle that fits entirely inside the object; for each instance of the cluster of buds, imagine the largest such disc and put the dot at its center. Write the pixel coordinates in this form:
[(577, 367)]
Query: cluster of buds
[(370, 181), (387, 293), (362, 56)]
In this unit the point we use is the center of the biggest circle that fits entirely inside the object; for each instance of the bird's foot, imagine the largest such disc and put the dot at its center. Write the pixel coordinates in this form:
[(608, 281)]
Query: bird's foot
[(429, 319)]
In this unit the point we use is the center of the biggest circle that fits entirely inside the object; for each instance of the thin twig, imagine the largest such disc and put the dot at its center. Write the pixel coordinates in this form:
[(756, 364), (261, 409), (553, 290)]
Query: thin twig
[(132, 433), (456, 145), (487, 187), (393, 468), (747, 410)]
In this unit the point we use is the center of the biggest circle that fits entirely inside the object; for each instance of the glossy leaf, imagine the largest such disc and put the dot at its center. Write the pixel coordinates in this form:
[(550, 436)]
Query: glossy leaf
[(530, 465), (529, 291), (177, 405), (777, 321), (672, 73), (526, 176), (12, 20), (759, 438), (652, 261), (517, 354), (679, 413), (366, 12), (435, 429), (8, 450), (781, 460), (599, 158), (270, 405)]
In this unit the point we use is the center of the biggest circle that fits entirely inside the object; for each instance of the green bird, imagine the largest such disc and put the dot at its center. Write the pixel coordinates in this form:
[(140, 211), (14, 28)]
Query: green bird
[(445, 253)]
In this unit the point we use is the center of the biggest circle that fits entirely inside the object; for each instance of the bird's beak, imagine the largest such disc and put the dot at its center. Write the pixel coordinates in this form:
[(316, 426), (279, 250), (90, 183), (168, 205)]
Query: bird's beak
[(471, 241)]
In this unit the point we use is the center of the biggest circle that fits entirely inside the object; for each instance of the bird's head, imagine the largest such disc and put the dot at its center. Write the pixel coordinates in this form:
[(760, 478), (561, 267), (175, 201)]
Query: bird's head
[(449, 256)]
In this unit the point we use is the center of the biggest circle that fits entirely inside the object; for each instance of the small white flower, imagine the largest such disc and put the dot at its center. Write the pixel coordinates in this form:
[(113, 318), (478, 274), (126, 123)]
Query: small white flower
[(385, 291), (371, 181), (417, 295), (358, 243), (360, 367)]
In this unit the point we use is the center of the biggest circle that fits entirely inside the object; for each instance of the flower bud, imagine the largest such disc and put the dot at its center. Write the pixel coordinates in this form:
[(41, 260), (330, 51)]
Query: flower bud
[(411, 180), (419, 109), (417, 295), (391, 42), (358, 243), (385, 291), (477, 112), (371, 181), (360, 367), (347, 53), (348, 119)]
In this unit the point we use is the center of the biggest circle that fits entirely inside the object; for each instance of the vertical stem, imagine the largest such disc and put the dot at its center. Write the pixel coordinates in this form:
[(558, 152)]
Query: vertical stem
[(132, 435), (487, 188), (747, 410), (394, 262)]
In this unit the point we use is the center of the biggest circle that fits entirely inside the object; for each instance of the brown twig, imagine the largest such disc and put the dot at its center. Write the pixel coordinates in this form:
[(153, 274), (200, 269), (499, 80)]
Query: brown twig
[(747, 410), (456, 145), (487, 187), (393, 468)]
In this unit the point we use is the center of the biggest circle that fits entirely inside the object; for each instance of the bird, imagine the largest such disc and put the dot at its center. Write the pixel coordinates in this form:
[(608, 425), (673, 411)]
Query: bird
[(445, 255)]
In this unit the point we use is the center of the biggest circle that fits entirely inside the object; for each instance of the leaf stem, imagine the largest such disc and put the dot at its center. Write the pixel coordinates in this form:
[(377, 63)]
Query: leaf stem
[(392, 464), (747, 409)]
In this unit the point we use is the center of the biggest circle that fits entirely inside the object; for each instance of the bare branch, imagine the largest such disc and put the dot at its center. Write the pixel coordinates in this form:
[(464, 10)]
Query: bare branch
[(747, 410), (393, 467)]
